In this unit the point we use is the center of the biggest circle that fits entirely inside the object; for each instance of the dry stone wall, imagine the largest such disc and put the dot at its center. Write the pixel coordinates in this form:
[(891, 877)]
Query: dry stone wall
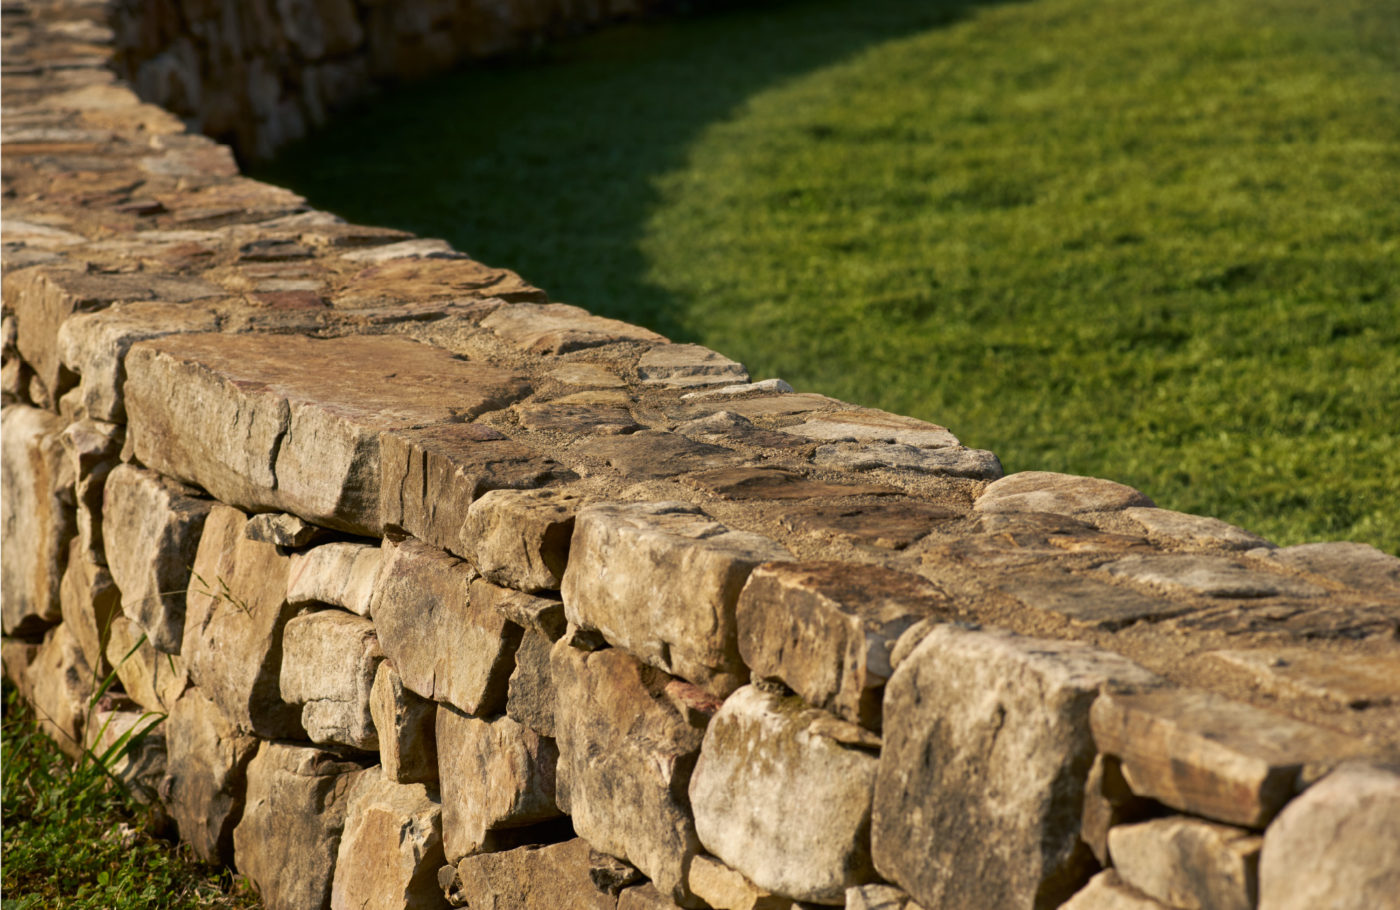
[(441, 594)]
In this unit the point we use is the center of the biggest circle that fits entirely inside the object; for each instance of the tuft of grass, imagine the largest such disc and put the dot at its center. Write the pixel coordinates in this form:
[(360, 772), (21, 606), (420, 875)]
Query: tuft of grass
[(1151, 240)]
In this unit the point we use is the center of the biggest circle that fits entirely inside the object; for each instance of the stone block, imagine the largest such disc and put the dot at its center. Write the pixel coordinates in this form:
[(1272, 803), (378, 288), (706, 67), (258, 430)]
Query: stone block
[(1359, 565), (530, 695), (340, 574), (405, 723), (661, 580), (886, 525), (950, 461), (59, 683), (626, 753), (760, 750), (38, 518), (878, 897), (289, 836), (687, 366), (90, 601), (206, 764), (444, 645), (1203, 753), (1108, 803), (1211, 576), (825, 629), (766, 484), (1106, 891), (981, 779), (495, 774), (547, 877), (236, 609), (1189, 863), (542, 614), (1356, 680), (93, 448), (16, 655), (653, 454), (329, 659), (1087, 601), (557, 328), (132, 746), (520, 539), (152, 679), (645, 897), (153, 526), (725, 889), (1062, 494), (872, 426), (1336, 845), (1165, 526), (391, 848), (282, 529)]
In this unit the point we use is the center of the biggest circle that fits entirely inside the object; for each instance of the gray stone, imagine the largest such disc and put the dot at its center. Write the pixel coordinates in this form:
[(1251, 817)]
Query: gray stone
[(759, 750), (981, 778), (558, 328), (38, 522), (683, 366), (1106, 892), (391, 847), (726, 889), (90, 601), (1357, 680), (1211, 576), (1166, 526), (1189, 863), (406, 725), (870, 425), (1336, 845), (953, 461), (153, 526), (1087, 601), (661, 580), (520, 539), (530, 696), (1356, 564), (151, 678), (329, 659), (549, 877), (1062, 494), (206, 765), (341, 574), (282, 529)]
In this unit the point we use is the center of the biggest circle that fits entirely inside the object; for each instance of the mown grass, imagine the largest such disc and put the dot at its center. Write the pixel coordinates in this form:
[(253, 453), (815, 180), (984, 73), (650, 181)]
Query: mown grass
[(1152, 240), (71, 842)]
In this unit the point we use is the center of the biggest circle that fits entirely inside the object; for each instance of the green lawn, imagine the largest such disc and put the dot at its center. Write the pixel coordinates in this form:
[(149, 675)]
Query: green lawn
[(1156, 240)]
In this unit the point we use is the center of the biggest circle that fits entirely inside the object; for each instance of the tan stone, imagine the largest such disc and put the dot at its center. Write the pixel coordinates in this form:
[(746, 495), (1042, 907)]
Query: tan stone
[(16, 656), (1109, 802), (341, 574), (551, 877), (589, 375), (520, 539), (1354, 680), (951, 461), (1359, 565), (131, 746), (38, 522), (329, 659), (206, 763), (1202, 753), (542, 614), (405, 724), (981, 779), (495, 774), (685, 366), (1166, 526), (90, 601), (651, 454), (93, 448), (530, 695), (153, 526), (661, 580), (825, 629), (1189, 863), (1063, 494), (1212, 576), (434, 279), (289, 836), (59, 683), (870, 425), (558, 328), (1106, 892), (645, 897), (878, 897), (152, 679), (391, 848), (1087, 601), (887, 525), (769, 484), (725, 889), (600, 413), (282, 529)]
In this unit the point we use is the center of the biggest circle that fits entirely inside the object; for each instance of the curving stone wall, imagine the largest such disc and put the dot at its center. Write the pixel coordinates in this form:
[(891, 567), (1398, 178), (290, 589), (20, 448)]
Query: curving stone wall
[(444, 594)]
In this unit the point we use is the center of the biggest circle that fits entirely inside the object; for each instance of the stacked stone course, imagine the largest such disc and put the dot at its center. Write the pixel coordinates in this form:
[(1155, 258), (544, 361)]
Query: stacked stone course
[(446, 595)]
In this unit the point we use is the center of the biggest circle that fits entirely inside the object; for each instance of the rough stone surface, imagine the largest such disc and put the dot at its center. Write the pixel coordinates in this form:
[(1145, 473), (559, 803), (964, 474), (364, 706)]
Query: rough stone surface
[(1210, 756), (329, 659), (1357, 564), (684, 366), (206, 763), (1353, 680), (38, 523), (1166, 526), (557, 328), (1063, 494), (1212, 576), (133, 744), (878, 897), (645, 897), (59, 683), (625, 759), (1189, 863), (725, 889), (282, 529), (520, 539), (391, 847), (651, 454), (405, 723), (153, 526), (981, 778), (93, 449), (760, 750), (1088, 601), (152, 679), (544, 615), (825, 629), (289, 836), (495, 774), (869, 425), (341, 574), (532, 878), (1106, 891), (888, 526), (444, 645), (954, 461), (1109, 802), (1335, 846), (530, 696), (769, 484), (661, 580), (90, 602)]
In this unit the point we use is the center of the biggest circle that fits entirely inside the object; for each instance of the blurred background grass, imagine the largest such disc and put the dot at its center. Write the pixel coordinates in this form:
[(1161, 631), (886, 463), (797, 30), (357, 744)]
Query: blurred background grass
[(1157, 240)]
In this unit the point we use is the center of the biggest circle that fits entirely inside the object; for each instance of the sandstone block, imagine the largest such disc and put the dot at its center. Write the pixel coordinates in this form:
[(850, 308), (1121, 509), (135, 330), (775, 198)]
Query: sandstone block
[(542, 614), (89, 601), (878, 897), (1205, 754), (825, 629), (405, 723), (725, 889), (888, 525), (16, 655), (729, 391), (557, 328), (391, 847), (530, 695), (153, 526), (760, 750), (1350, 679), (952, 461), (1166, 526), (770, 484), (494, 774), (1189, 863), (38, 520), (93, 449), (1212, 576), (1106, 891), (206, 763), (132, 746), (1357, 564), (661, 580), (152, 679), (652, 454), (289, 836), (444, 645), (645, 897), (1108, 803), (1335, 846), (59, 683), (625, 758), (520, 539), (981, 778), (282, 529), (1062, 494), (870, 425), (340, 574), (532, 878), (1087, 601), (329, 659), (594, 413), (685, 366)]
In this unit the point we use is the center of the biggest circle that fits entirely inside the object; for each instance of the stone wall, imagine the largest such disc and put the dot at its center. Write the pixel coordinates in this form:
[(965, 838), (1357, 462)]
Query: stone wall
[(444, 594)]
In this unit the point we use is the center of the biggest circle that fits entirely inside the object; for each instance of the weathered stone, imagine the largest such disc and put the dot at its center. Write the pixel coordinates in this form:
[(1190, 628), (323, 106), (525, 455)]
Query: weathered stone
[(391, 847), (530, 697), (236, 609), (878, 897), (610, 874), (1354, 680), (520, 539), (59, 683), (604, 413), (93, 449), (153, 525), (417, 248), (891, 526), (494, 774), (589, 375), (981, 778), (405, 723), (206, 763), (1357, 564), (1109, 802), (953, 461), (444, 645), (661, 580), (289, 836), (1205, 754), (1166, 526), (152, 679), (825, 629), (725, 889), (16, 656), (625, 760), (558, 328), (645, 897), (38, 522), (758, 751), (90, 601), (767, 484), (1335, 846), (1062, 494), (1106, 891), (341, 574), (131, 745), (726, 428), (1189, 863), (1315, 620), (1212, 576), (683, 366), (293, 424), (764, 385), (870, 425), (1087, 601), (329, 659), (532, 878), (654, 453), (434, 279), (282, 529), (543, 614)]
